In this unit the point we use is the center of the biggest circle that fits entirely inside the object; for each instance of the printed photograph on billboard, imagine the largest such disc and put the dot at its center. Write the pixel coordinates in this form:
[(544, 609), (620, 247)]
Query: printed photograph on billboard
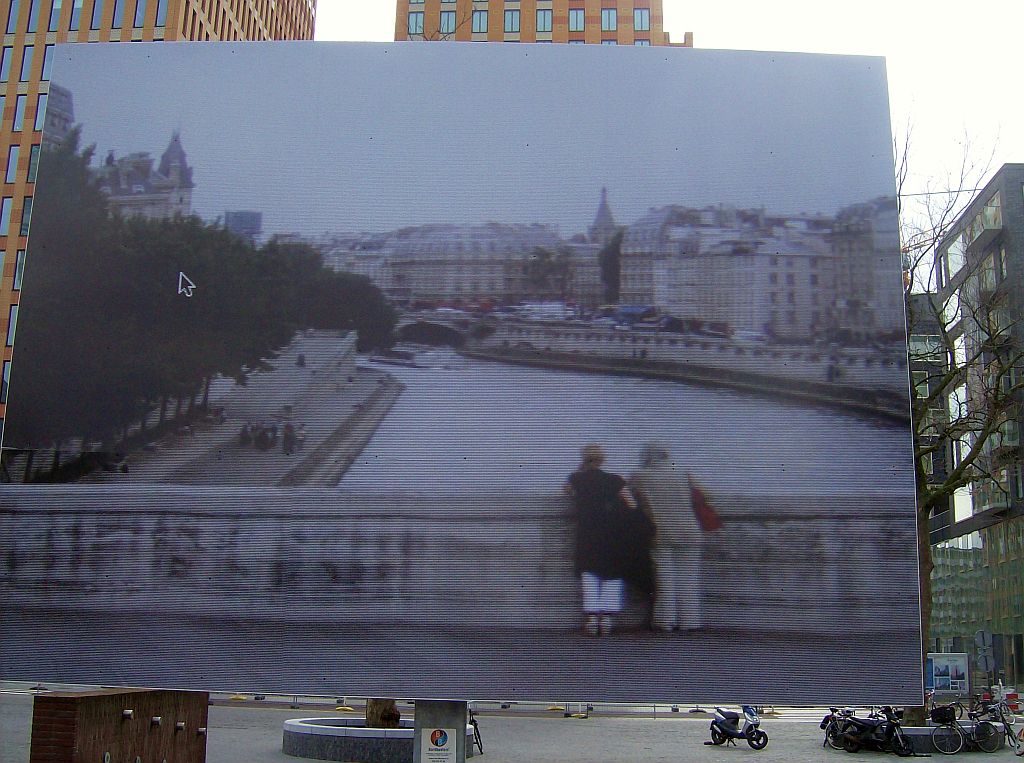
[(503, 371)]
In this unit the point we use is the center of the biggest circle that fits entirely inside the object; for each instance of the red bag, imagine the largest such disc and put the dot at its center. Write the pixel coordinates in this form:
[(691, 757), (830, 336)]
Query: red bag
[(707, 517)]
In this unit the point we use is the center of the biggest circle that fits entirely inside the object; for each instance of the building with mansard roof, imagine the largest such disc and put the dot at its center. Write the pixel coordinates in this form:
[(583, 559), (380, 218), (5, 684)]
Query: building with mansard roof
[(135, 188)]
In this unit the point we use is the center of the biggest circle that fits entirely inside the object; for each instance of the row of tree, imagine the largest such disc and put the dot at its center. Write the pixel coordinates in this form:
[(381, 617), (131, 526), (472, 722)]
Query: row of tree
[(105, 338)]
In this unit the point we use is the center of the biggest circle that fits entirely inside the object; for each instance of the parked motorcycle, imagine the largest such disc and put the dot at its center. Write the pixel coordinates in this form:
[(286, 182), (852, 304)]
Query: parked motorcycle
[(726, 728), (880, 733)]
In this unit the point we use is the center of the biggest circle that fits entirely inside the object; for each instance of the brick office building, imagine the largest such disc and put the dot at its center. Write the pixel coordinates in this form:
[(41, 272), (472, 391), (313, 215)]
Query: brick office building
[(609, 22)]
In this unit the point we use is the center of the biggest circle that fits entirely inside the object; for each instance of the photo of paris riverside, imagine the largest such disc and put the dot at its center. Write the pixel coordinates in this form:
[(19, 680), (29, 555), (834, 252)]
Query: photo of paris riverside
[(355, 393)]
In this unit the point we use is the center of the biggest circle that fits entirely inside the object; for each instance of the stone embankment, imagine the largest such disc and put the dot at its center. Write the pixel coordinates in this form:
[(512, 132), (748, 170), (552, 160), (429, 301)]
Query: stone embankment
[(861, 380)]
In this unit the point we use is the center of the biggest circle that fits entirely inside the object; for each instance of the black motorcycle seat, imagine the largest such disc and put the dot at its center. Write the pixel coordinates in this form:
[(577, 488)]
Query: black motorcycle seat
[(730, 716)]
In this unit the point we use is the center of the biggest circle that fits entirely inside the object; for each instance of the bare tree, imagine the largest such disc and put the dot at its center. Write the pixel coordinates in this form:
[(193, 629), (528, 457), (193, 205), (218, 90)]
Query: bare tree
[(965, 364), (440, 34)]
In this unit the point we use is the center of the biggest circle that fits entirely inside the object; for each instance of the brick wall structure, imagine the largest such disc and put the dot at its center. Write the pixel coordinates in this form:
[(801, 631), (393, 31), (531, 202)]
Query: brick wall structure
[(119, 726)]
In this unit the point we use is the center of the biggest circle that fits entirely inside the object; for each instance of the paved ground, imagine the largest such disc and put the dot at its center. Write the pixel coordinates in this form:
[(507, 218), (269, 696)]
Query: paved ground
[(253, 655), (247, 734)]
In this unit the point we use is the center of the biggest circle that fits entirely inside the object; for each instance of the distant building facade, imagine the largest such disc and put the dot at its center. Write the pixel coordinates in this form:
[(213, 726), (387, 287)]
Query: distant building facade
[(615, 22), (245, 223), (460, 263), (135, 188)]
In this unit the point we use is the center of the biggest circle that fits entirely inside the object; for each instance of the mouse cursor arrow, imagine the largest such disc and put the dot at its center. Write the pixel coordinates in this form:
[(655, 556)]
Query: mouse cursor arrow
[(185, 285)]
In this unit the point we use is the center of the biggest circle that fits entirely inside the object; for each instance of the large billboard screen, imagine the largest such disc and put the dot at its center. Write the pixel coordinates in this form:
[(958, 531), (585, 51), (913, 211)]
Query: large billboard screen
[(463, 371)]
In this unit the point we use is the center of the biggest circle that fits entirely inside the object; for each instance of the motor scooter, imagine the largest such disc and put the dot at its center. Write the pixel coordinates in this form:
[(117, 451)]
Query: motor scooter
[(726, 728)]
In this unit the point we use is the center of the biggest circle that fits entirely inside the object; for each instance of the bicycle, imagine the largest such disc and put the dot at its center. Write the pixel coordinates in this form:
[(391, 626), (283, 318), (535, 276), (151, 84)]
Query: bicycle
[(1000, 712), (950, 736), (832, 724), (477, 740)]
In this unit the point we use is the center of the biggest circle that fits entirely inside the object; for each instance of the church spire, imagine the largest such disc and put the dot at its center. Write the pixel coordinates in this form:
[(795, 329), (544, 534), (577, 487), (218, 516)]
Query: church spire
[(604, 224)]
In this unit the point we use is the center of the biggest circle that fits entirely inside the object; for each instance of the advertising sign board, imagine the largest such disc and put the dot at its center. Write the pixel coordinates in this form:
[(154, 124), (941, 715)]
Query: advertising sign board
[(531, 372)]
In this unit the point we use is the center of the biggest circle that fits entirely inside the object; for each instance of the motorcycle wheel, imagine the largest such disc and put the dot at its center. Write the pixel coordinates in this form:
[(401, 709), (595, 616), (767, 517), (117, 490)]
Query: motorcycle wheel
[(851, 743), (948, 740), (986, 736), (901, 746), (758, 739), (834, 735), (717, 737)]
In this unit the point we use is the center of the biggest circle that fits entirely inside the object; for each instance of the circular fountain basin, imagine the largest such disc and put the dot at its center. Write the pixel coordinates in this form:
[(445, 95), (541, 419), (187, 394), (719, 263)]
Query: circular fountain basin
[(348, 739)]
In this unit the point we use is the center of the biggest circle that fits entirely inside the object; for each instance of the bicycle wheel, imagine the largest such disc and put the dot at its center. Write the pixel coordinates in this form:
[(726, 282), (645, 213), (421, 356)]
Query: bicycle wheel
[(947, 739), (901, 745), (834, 735), (986, 736)]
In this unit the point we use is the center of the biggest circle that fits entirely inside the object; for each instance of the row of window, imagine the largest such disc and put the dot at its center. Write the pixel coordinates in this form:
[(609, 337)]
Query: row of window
[(75, 19), (7, 56), (3, 386), (18, 122), (13, 154), (448, 21), (5, 215)]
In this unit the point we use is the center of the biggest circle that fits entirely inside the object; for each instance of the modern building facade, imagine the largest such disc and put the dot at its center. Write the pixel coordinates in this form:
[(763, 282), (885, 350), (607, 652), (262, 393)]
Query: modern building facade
[(979, 552), (31, 30), (608, 22)]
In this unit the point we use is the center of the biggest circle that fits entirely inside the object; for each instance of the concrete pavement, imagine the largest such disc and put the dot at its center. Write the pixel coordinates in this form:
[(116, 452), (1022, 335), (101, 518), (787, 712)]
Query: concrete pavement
[(249, 734)]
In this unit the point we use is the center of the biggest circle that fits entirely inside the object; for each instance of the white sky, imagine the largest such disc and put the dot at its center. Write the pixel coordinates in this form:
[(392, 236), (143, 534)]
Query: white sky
[(953, 66)]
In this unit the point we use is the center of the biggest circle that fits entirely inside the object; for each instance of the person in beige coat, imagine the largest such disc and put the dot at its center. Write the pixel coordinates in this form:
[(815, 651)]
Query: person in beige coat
[(662, 488)]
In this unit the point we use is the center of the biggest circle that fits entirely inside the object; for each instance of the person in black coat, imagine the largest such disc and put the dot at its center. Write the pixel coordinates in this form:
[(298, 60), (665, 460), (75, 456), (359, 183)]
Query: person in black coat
[(603, 510)]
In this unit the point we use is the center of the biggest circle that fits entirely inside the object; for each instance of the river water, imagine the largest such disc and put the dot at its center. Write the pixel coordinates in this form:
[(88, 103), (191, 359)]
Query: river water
[(466, 425)]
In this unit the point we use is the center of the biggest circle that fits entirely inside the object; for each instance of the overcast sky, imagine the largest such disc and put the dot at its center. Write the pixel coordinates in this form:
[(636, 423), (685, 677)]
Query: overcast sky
[(953, 66), (332, 137)]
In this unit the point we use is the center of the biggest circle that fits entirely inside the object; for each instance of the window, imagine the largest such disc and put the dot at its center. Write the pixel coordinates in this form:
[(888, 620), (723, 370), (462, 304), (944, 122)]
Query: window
[(33, 163), (26, 216), (609, 42), (12, 163), (789, 279), (33, 16), (479, 21), (118, 14), (577, 19), (511, 21), (609, 20), (54, 15), (416, 22), (76, 15), (544, 20), (447, 22), (642, 19), (47, 62), (642, 43), (26, 62), (6, 381), (19, 113), (5, 215), (97, 14), (577, 42), (814, 279), (19, 268), (12, 17), (12, 324), (40, 111), (140, 13), (773, 278), (5, 64), (954, 257), (161, 12)]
